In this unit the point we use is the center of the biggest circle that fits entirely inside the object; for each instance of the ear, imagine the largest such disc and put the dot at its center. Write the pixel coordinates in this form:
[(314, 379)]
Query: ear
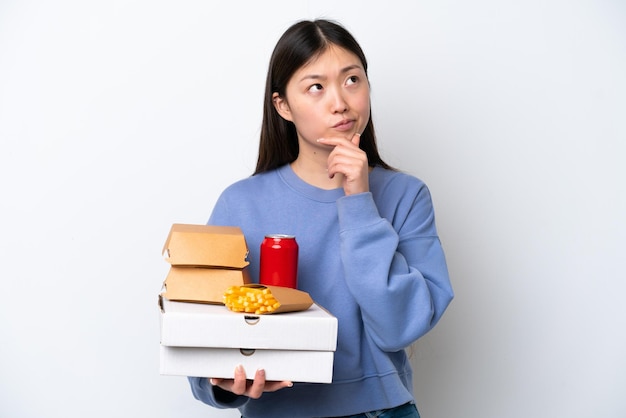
[(281, 106)]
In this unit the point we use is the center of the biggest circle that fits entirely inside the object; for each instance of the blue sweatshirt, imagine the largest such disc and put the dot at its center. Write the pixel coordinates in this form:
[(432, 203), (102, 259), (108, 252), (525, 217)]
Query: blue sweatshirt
[(373, 260)]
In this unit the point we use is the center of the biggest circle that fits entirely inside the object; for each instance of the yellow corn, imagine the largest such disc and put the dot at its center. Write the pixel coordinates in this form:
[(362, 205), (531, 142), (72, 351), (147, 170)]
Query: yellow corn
[(257, 300)]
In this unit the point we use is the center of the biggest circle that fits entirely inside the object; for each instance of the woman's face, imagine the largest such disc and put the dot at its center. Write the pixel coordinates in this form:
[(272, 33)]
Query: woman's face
[(327, 97)]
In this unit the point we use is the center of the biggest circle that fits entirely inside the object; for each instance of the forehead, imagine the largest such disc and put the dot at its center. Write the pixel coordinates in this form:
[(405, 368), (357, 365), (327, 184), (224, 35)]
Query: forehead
[(332, 58)]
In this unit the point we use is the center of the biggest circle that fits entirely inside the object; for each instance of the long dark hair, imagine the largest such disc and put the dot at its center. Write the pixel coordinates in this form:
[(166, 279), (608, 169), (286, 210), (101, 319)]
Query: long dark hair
[(298, 45)]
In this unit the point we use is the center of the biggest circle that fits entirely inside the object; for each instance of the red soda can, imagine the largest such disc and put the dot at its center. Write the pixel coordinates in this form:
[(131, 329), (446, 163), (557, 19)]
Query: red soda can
[(279, 261)]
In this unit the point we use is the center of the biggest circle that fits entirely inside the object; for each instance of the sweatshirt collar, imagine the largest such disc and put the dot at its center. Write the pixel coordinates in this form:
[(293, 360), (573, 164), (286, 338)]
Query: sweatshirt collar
[(292, 180)]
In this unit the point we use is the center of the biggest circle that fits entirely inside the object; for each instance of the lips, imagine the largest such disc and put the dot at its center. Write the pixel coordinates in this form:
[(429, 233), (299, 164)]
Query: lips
[(344, 125)]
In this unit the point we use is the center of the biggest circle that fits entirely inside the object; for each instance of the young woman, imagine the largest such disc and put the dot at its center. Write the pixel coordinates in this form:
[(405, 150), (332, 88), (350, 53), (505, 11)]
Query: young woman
[(369, 249)]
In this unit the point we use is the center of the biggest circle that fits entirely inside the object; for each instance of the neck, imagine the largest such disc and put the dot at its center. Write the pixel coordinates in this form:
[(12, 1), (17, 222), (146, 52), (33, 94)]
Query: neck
[(312, 167)]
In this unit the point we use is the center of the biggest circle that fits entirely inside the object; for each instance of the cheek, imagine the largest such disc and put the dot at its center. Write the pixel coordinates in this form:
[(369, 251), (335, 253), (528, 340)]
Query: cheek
[(307, 121), (307, 113), (363, 106)]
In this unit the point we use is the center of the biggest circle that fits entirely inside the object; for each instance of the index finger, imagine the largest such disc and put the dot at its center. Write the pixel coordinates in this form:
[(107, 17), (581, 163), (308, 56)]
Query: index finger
[(239, 383), (341, 141)]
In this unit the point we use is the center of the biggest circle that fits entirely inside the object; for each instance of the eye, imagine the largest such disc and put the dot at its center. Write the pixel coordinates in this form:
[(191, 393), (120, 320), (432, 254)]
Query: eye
[(353, 79), (315, 88)]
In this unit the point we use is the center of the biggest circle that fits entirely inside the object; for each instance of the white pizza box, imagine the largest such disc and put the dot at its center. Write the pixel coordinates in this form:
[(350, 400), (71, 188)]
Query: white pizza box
[(292, 365), (185, 324)]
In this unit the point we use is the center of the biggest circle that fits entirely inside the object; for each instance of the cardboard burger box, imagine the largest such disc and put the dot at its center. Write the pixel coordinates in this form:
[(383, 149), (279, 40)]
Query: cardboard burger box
[(210, 341), (205, 260)]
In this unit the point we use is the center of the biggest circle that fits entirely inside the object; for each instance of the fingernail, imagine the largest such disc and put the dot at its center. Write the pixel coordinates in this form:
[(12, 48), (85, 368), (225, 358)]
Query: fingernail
[(212, 382)]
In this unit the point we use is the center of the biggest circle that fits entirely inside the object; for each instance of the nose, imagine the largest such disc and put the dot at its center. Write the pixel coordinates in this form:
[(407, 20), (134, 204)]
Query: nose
[(337, 101)]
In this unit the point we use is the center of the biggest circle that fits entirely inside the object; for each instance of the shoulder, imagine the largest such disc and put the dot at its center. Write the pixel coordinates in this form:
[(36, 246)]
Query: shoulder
[(242, 198), (251, 184)]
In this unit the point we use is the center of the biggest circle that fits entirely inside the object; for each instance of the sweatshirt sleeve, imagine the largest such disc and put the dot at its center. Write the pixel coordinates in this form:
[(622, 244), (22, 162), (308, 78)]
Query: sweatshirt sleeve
[(395, 265), (213, 396)]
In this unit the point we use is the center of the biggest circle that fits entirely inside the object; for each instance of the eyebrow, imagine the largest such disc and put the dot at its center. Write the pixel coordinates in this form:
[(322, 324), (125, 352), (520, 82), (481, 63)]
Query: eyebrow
[(321, 77)]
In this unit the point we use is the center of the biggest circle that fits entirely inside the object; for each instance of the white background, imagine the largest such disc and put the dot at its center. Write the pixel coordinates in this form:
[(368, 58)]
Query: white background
[(119, 118)]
